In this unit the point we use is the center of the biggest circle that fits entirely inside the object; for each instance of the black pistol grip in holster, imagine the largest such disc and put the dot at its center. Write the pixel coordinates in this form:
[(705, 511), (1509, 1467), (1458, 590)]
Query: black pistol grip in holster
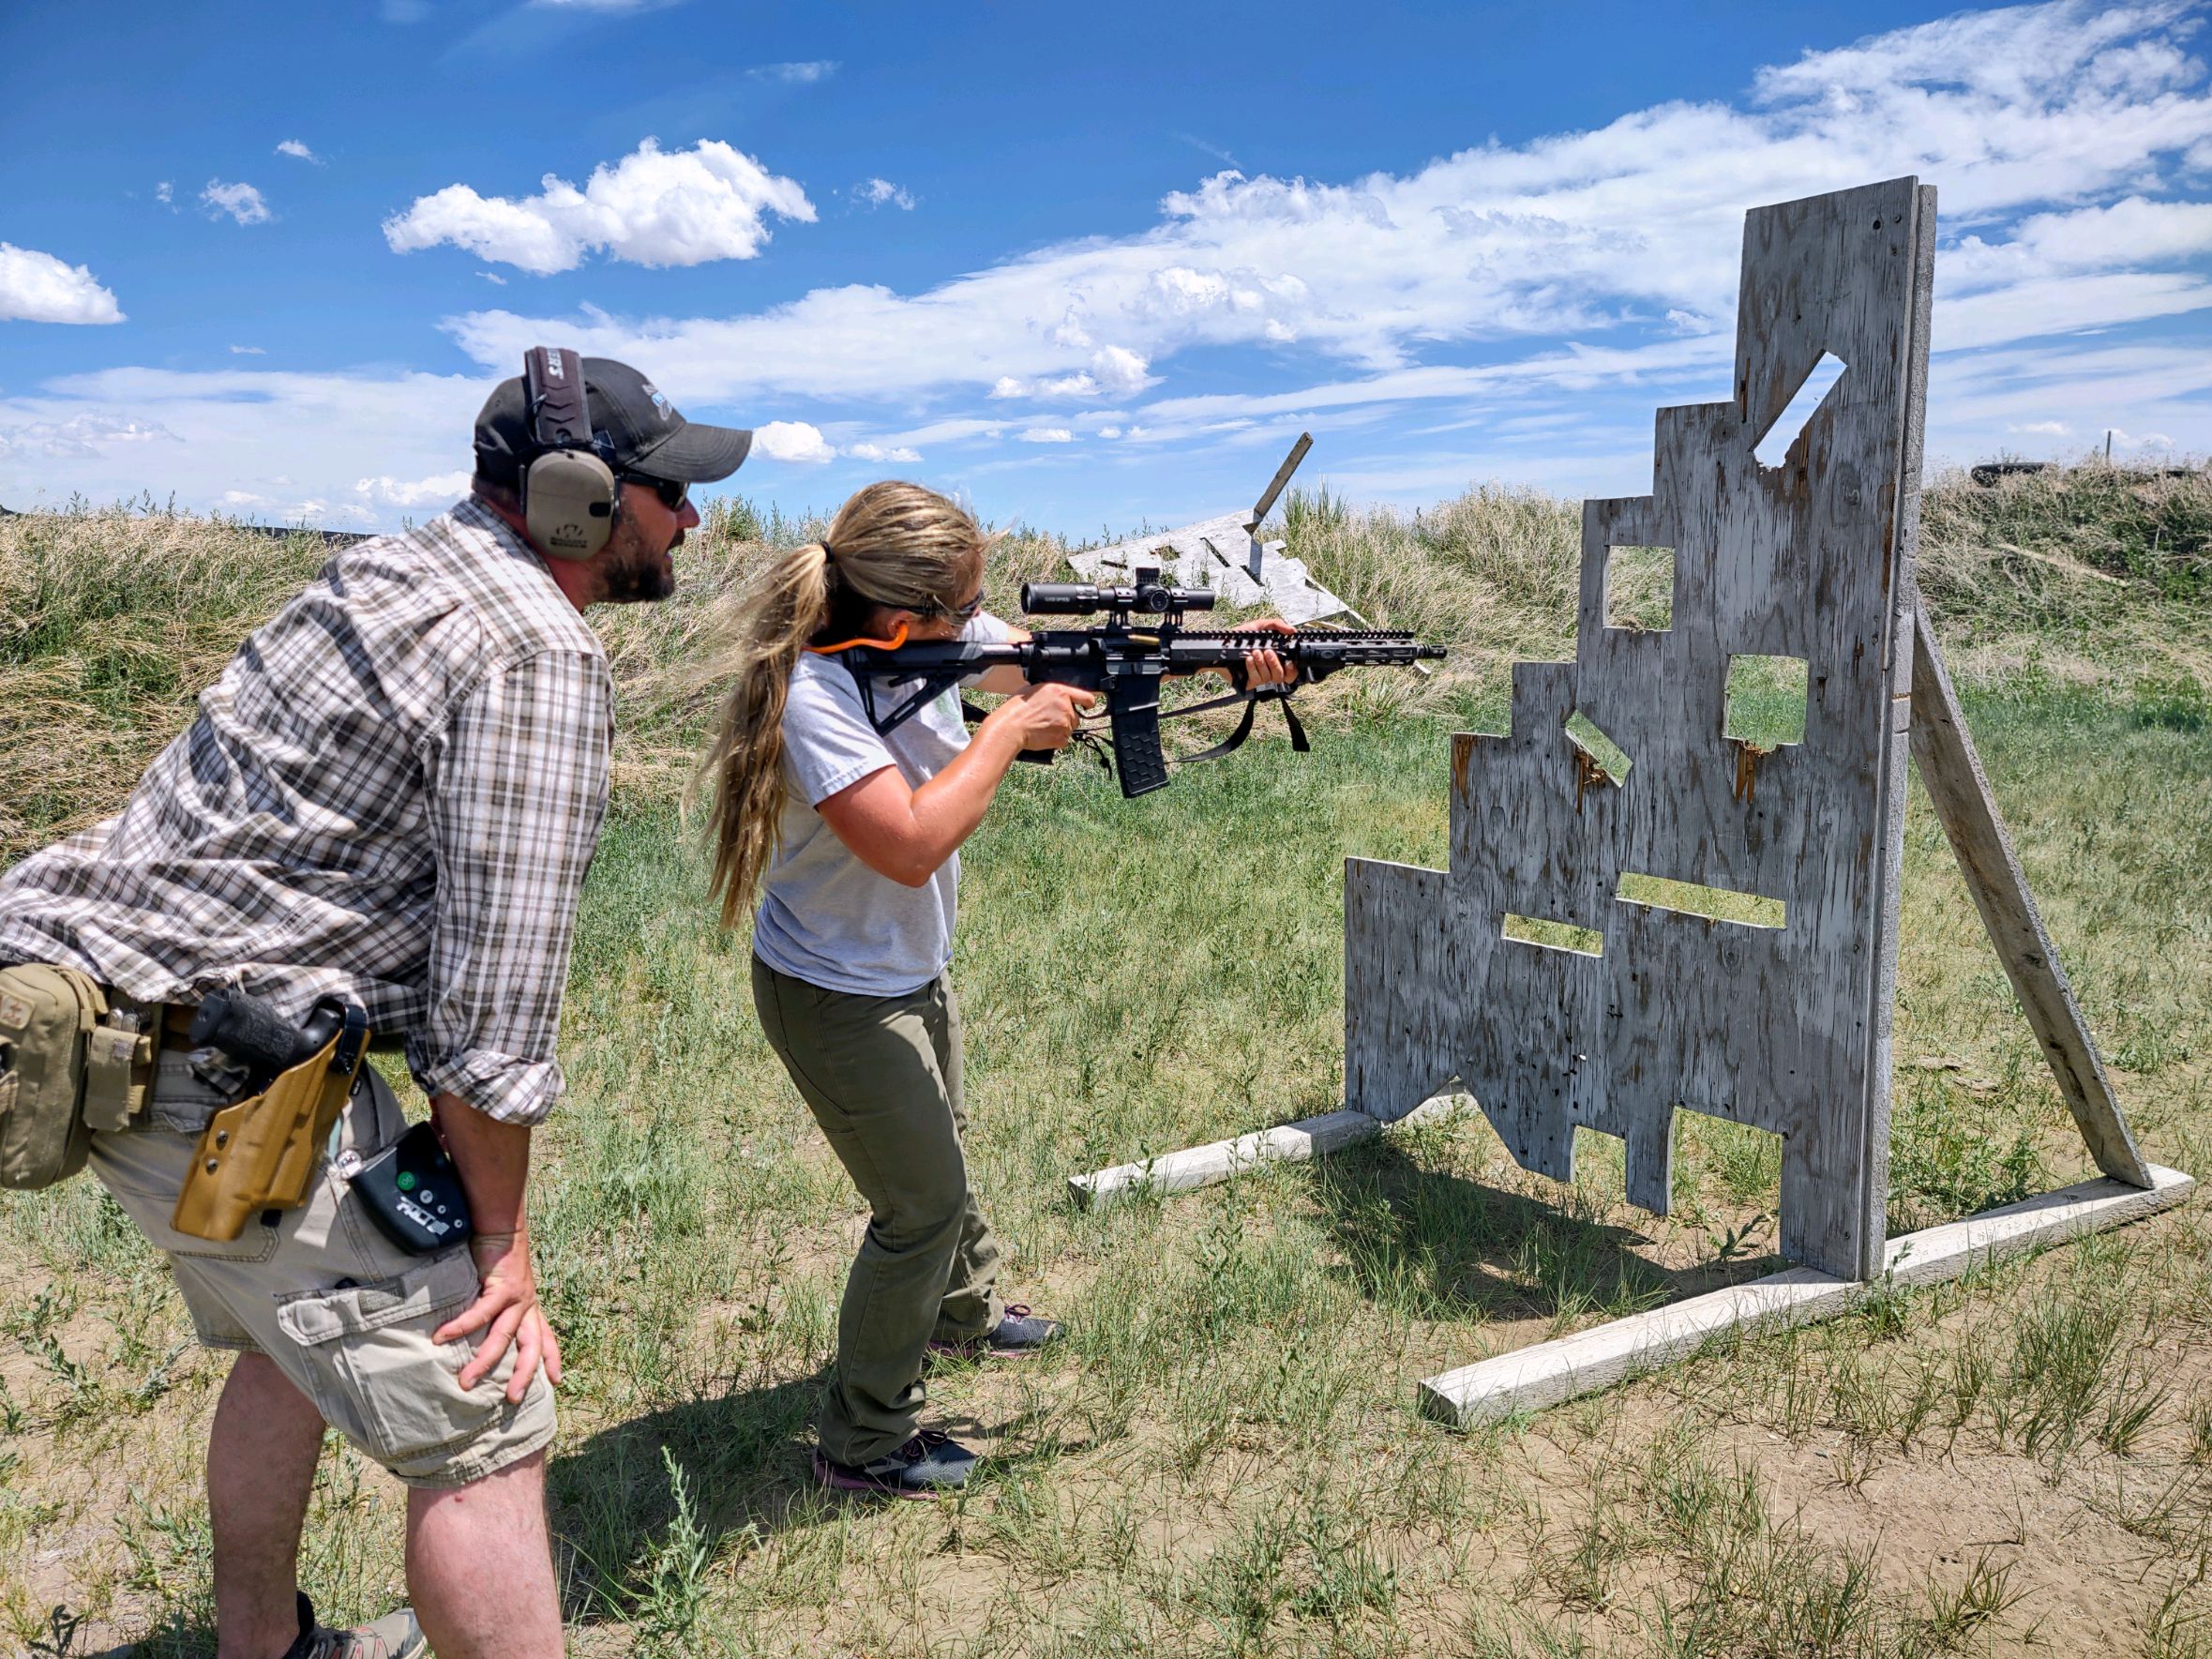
[(1132, 707)]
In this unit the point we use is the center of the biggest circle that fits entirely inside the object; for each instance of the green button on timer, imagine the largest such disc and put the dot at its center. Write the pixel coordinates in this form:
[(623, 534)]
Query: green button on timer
[(406, 1180)]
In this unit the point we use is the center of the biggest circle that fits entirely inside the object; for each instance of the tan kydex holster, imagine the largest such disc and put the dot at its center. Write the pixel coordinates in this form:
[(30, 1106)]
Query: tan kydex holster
[(261, 1152)]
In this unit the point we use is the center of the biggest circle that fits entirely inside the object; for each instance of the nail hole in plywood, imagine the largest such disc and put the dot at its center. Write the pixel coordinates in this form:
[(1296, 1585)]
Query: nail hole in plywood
[(1640, 588), (1715, 904), (1766, 700), (1587, 736), (1583, 941), (1774, 445)]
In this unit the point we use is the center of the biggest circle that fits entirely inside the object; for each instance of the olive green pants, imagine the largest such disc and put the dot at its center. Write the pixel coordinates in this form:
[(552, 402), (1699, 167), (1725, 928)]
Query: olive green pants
[(882, 1076)]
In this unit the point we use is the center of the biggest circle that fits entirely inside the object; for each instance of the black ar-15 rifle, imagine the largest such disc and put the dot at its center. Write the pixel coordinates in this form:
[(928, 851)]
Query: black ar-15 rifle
[(1125, 660)]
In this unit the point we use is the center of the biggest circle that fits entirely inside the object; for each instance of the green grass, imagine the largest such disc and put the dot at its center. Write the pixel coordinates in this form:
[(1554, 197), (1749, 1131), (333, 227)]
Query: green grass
[(1225, 1457)]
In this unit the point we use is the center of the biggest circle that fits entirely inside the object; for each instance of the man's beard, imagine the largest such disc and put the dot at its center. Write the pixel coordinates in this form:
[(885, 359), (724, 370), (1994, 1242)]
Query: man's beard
[(637, 577)]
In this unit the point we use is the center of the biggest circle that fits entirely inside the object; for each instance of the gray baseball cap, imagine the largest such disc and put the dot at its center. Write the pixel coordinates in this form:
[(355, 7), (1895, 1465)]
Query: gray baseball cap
[(635, 429)]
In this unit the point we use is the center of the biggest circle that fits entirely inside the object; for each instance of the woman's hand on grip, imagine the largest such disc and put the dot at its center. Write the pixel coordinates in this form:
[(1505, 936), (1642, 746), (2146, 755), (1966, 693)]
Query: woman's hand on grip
[(1045, 716)]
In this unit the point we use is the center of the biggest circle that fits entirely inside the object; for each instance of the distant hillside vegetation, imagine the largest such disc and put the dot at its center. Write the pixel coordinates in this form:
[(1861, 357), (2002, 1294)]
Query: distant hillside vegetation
[(111, 621)]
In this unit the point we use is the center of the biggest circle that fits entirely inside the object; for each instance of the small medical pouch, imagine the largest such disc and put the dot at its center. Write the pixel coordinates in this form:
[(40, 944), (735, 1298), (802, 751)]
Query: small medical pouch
[(48, 1016)]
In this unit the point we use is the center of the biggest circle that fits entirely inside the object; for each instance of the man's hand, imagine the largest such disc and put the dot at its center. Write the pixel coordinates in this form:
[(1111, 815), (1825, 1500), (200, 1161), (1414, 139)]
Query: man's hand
[(507, 1304), (492, 1159)]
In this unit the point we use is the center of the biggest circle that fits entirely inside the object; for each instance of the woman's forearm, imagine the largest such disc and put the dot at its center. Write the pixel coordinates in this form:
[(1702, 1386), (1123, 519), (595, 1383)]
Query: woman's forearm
[(948, 809)]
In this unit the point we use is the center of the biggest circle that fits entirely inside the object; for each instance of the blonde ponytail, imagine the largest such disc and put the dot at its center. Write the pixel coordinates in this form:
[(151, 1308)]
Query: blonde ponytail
[(896, 546)]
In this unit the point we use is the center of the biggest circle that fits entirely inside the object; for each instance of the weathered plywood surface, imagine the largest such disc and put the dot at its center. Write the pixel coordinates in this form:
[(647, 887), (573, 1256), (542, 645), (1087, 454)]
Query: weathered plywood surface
[(1781, 1028), (1221, 555), (1952, 772), (1531, 1378)]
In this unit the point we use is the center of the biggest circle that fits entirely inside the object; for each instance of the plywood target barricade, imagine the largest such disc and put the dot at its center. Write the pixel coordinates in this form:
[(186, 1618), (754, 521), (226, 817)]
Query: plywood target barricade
[(1648, 911)]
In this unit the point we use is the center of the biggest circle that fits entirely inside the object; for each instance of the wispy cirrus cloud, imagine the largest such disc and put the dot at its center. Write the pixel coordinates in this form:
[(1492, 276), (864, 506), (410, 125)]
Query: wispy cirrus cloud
[(1507, 310), (882, 192), (795, 74)]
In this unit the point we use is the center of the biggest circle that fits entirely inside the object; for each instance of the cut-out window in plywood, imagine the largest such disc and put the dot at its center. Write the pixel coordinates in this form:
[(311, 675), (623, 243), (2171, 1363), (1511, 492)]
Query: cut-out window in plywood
[(1773, 448), (1766, 701), (1538, 931), (1640, 589), (1715, 904), (1590, 738)]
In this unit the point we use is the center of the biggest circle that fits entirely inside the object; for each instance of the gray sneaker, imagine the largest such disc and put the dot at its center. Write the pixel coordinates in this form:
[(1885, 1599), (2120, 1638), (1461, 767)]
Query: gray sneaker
[(1020, 1335), (928, 1466), (395, 1636)]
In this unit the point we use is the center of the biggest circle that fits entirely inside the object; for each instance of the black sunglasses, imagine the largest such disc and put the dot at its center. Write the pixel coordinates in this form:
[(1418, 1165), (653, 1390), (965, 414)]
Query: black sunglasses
[(672, 492)]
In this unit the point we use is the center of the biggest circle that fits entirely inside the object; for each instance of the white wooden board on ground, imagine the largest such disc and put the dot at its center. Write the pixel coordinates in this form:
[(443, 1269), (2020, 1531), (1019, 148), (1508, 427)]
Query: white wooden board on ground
[(1212, 1163), (1530, 1379), (1222, 555)]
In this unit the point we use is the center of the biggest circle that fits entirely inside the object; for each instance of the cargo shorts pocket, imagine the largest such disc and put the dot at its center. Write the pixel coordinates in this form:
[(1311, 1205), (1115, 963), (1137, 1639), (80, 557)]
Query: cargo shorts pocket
[(374, 1371)]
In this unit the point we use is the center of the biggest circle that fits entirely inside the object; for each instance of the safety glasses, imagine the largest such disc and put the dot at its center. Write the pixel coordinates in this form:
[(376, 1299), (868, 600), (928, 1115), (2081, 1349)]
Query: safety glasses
[(672, 492), (961, 612)]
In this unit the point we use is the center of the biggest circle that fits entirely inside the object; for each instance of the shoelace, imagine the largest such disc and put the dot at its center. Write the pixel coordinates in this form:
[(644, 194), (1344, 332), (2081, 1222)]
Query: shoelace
[(1017, 1310)]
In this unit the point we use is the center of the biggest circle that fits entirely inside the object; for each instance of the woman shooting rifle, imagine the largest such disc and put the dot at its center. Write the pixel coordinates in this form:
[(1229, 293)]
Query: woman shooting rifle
[(852, 837)]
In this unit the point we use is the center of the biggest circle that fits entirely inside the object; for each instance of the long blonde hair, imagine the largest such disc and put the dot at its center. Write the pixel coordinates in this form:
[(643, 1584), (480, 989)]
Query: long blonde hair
[(893, 545)]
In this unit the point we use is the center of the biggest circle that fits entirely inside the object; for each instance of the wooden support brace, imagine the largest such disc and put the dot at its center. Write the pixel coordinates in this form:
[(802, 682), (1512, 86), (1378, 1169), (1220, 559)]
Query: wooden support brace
[(1217, 1162), (1530, 1379), (1960, 791)]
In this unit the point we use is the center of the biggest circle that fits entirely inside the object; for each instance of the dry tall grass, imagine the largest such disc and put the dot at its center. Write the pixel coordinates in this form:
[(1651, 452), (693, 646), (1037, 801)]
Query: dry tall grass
[(111, 621)]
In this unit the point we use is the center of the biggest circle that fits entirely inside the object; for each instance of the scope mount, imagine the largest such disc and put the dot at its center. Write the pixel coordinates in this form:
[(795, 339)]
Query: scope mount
[(1146, 595)]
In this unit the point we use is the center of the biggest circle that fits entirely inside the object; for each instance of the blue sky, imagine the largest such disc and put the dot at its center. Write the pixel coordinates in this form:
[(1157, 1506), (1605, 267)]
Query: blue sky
[(268, 258)]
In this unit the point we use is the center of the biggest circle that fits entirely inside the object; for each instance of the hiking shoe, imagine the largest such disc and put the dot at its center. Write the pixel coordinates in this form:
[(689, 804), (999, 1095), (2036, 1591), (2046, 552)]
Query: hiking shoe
[(928, 1466), (395, 1636), (1016, 1336)]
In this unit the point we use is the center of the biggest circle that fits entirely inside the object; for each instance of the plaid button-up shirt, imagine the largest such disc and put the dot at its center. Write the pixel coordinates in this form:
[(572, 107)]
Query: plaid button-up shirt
[(391, 796)]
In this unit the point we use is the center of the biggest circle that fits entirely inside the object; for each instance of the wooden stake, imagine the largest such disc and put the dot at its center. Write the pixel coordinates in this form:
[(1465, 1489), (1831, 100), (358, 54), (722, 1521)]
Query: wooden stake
[(1960, 791)]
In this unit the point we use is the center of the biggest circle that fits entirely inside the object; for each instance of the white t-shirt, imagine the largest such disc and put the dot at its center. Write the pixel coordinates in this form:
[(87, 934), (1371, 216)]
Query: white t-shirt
[(824, 916)]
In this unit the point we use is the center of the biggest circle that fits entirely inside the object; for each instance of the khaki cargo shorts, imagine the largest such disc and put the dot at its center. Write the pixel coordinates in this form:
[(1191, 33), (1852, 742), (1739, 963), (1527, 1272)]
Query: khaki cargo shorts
[(342, 1310)]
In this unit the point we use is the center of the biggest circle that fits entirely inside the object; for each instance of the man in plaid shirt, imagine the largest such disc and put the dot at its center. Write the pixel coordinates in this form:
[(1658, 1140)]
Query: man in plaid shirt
[(391, 796)]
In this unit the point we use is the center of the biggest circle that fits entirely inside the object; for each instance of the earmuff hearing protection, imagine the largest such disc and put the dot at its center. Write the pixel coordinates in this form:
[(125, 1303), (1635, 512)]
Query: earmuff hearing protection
[(568, 491)]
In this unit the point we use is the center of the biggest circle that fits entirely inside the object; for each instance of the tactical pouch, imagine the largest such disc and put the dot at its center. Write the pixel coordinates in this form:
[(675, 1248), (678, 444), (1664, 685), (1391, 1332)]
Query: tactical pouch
[(119, 1065), (47, 1017), (261, 1152)]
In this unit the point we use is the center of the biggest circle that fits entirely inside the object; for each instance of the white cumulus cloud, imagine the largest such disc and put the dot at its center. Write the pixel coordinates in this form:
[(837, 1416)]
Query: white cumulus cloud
[(898, 452), (440, 489), (39, 288), (793, 441), (1046, 435), (682, 207), (165, 193), (298, 152), (81, 437), (242, 201)]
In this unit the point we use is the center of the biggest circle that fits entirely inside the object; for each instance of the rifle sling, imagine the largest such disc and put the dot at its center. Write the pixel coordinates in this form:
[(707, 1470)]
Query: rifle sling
[(1229, 744)]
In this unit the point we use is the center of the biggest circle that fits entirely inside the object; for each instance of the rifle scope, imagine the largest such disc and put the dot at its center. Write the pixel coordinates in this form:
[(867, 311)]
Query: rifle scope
[(1081, 598)]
